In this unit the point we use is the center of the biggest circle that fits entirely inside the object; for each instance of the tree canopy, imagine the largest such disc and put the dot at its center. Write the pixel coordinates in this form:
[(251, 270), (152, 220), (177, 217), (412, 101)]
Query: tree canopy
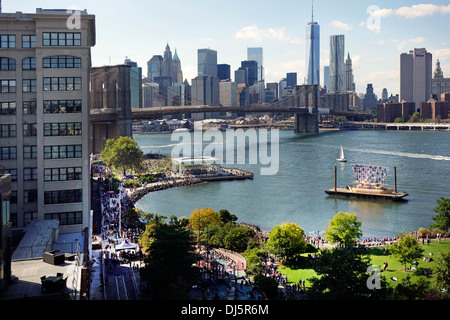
[(122, 154), (442, 219), (287, 241), (406, 249), (343, 230)]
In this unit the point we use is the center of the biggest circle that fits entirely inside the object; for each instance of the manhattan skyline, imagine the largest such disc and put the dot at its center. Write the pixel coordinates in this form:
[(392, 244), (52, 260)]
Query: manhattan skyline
[(140, 29)]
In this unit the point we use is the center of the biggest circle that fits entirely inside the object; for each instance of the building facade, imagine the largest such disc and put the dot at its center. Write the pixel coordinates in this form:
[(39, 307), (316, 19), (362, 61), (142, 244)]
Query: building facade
[(415, 76), (337, 65), (256, 54), (434, 110), (349, 78), (207, 62), (45, 115), (389, 111)]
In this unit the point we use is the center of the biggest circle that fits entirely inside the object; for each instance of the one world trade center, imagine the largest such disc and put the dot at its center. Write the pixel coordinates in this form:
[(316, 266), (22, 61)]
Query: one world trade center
[(312, 52)]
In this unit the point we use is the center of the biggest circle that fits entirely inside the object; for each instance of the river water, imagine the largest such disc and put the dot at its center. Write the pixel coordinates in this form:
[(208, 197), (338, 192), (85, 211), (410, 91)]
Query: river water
[(306, 169)]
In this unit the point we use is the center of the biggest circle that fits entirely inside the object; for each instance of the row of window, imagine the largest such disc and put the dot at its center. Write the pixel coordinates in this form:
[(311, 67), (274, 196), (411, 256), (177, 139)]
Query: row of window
[(50, 175), (50, 152), (50, 129), (50, 107), (50, 84), (52, 39), (66, 218), (63, 196), (9, 41), (62, 129), (29, 152), (9, 64)]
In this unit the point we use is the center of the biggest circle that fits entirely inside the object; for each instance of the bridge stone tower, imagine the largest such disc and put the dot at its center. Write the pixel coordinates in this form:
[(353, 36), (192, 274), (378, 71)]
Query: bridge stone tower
[(110, 110), (307, 104)]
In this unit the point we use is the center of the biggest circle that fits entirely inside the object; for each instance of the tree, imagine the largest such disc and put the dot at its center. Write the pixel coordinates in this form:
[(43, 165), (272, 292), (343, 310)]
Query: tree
[(343, 274), (442, 219), (406, 249), (169, 263), (441, 271), (287, 241), (122, 154), (202, 219), (226, 216), (344, 229)]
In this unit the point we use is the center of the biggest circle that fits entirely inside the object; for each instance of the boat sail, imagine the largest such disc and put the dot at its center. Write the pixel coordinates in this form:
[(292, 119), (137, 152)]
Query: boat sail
[(342, 157)]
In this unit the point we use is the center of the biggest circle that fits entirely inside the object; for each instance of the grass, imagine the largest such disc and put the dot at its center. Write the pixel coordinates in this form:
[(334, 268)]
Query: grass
[(304, 271)]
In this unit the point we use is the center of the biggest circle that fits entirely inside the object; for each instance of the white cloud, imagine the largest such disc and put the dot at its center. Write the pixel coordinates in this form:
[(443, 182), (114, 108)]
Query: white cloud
[(258, 35), (419, 10), (402, 43), (341, 25), (441, 54)]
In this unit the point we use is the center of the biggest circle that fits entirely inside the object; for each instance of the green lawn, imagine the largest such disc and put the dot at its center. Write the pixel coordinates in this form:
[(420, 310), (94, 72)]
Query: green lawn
[(395, 269)]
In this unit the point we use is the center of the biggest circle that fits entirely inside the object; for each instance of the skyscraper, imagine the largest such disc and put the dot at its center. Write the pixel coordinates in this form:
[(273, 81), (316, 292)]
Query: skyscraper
[(415, 76), (167, 66), (135, 83), (154, 67), (312, 52), (207, 62), (256, 54), (337, 66), (45, 116), (177, 74), (326, 77), (251, 68), (349, 79)]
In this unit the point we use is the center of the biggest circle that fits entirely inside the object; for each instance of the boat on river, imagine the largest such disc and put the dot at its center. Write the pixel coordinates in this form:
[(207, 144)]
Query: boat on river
[(342, 157), (371, 185)]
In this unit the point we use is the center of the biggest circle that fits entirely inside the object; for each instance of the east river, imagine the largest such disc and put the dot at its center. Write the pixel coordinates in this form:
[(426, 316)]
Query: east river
[(306, 168)]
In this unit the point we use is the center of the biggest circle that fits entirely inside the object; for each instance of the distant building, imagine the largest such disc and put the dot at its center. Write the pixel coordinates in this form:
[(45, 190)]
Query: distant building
[(388, 111), (326, 77), (256, 54), (435, 110), (177, 73), (370, 99), (228, 93), (167, 65), (384, 95), (337, 65), (251, 68), (339, 101), (223, 72), (291, 79), (154, 67), (415, 76), (349, 78), (207, 62), (135, 83), (312, 52), (439, 84)]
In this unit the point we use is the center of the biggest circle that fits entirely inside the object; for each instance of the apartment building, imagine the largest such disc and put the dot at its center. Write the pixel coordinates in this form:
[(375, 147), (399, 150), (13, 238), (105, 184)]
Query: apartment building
[(44, 117)]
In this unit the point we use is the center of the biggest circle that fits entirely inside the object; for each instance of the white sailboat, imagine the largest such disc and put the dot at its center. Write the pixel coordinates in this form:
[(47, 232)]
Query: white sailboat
[(342, 157)]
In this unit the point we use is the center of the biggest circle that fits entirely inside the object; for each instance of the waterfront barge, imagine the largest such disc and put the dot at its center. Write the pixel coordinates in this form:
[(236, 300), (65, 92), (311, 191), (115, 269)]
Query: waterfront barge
[(371, 185)]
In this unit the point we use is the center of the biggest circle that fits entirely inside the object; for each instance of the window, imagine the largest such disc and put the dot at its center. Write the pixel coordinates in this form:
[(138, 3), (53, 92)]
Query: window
[(62, 106), (29, 196), (12, 172), (29, 85), (66, 218), (62, 152), (63, 196), (29, 107), (28, 41), (30, 174), (8, 153), (8, 131), (62, 129), (62, 84), (30, 152), (7, 41), (62, 174), (61, 62), (29, 130), (29, 64), (8, 108), (7, 64), (7, 86), (54, 39)]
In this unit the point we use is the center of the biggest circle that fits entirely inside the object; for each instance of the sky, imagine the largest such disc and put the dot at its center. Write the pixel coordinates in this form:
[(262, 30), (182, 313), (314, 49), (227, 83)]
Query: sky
[(376, 33)]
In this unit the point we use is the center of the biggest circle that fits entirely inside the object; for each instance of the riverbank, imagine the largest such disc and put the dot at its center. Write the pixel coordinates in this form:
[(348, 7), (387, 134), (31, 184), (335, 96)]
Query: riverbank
[(135, 194)]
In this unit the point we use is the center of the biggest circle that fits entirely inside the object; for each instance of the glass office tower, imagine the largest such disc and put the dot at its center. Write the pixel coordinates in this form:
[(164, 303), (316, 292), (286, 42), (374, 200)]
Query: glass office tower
[(312, 53), (256, 54), (207, 62)]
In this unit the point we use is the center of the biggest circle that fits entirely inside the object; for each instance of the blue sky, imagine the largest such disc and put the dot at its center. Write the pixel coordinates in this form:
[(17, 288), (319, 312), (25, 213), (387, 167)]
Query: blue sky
[(140, 29)]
